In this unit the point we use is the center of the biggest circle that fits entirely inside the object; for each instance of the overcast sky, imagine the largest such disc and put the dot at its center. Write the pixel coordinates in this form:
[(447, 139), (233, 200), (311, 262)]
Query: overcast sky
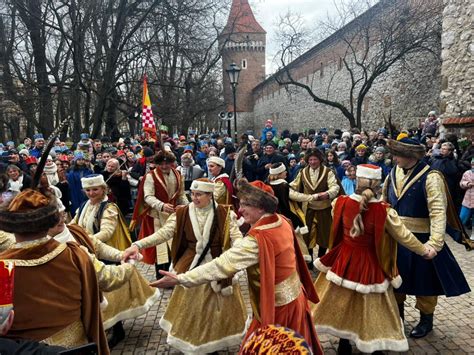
[(267, 14)]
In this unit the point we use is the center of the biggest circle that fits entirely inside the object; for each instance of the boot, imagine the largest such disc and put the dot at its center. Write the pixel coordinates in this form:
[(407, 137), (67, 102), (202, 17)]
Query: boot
[(401, 310), (310, 264), (424, 327), (118, 334), (344, 347)]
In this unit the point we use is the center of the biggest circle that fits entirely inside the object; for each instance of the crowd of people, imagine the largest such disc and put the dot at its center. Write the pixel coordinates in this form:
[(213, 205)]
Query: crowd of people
[(367, 211)]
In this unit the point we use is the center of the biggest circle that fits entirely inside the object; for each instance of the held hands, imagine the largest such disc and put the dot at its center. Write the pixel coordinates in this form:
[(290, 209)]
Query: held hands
[(131, 253), (315, 197), (170, 280), (168, 208), (430, 252)]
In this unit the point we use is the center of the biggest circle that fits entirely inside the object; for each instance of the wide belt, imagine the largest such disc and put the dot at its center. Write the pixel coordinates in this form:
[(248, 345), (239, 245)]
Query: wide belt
[(72, 336), (416, 225), (288, 290)]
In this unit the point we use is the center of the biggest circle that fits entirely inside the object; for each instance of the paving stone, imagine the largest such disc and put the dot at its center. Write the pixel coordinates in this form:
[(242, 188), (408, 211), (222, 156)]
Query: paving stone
[(453, 331)]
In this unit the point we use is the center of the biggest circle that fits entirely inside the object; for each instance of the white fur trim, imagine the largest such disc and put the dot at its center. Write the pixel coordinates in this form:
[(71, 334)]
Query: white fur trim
[(240, 221), (320, 266), (307, 258), (92, 181), (363, 171), (365, 346), (304, 230), (188, 348), (202, 186), (133, 312), (278, 170), (103, 305), (396, 282), (227, 291), (356, 286), (217, 161), (278, 182)]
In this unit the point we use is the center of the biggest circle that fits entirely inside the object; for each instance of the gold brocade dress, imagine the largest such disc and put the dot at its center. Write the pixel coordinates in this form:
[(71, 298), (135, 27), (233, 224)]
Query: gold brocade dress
[(135, 297), (209, 317)]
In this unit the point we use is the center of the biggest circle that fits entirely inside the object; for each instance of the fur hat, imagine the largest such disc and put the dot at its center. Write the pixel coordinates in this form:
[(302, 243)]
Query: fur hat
[(29, 212), (94, 180), (217, 161), (257, 194), (277, 170), (203, 185), (407, 148), (164, 156), (369, 171)]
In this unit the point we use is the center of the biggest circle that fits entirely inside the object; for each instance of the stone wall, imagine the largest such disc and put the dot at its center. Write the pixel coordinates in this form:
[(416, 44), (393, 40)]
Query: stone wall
[(405, 93), (458, 59)]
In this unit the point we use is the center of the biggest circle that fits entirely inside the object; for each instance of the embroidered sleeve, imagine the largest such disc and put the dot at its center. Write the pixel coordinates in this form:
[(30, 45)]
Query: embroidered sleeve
[(219, 190), (108, 223), (106, 252), (6, 240), (333, 186), (243, 254), (110, 277), (235, 233), (397, 230), (162, 235), (149, 194), (295, 195), (299, 196), (437, 205)]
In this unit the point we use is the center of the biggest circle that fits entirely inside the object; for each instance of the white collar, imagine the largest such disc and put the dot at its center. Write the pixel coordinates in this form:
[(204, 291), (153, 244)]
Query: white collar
[(278, 182)]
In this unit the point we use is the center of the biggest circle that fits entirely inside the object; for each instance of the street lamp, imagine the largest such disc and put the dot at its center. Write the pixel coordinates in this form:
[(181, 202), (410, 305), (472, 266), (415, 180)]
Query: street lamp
[(233, 73)]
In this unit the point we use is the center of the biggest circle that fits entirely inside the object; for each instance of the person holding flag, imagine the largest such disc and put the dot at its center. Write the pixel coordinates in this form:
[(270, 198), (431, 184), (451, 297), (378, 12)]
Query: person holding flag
[(148, 122)]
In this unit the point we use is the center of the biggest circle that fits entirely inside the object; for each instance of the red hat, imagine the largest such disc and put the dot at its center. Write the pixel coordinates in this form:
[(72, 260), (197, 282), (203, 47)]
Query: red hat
[(262, 186), (369, 171), (31, 160)]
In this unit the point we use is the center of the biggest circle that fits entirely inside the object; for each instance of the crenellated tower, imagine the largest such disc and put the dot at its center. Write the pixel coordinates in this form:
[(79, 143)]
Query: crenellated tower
[(243, 42)]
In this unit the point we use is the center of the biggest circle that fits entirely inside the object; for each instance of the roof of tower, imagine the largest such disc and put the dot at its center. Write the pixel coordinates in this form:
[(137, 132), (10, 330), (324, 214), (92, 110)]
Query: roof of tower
[(241, 19)]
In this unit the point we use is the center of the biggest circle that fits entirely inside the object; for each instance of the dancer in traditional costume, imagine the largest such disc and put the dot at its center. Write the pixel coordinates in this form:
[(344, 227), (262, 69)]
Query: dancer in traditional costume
[(280, 285), (159, 193), (223, 189), (420, 197), (54, 282), (317, 185), (100, 218), (286, 207), (103, 221), (213, 316), (358, 274)]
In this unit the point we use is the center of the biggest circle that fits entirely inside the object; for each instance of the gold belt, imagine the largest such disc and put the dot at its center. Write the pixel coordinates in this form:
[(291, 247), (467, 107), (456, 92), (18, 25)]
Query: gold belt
[(287, 290), (71, 336), (416, 225)]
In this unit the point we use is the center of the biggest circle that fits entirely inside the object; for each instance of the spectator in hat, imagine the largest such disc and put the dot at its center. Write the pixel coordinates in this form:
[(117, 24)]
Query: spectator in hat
[(430, 125), (265, 162), (230, 154), (360, 155), (144, 164), (378, 159), (251, 160), (202, 155), (189, 170), (79, 169), (38, 146), (268, 128)]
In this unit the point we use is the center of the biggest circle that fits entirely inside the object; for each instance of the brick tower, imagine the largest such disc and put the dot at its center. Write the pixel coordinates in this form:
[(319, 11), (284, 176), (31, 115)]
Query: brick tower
[(243, 42)]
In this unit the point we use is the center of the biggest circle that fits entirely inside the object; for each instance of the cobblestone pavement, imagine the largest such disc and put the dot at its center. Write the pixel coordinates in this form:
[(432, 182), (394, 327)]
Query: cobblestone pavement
[(453, 331)]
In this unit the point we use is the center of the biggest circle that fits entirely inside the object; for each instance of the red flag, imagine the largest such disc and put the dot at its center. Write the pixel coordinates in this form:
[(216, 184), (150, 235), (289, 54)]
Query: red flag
[(148, 123)]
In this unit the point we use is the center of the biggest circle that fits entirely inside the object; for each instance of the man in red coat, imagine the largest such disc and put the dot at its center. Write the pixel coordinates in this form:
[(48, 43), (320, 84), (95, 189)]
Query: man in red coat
[(159, 193)]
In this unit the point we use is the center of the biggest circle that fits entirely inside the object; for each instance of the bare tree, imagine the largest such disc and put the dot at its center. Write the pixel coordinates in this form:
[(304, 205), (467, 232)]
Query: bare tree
[(366, 44)]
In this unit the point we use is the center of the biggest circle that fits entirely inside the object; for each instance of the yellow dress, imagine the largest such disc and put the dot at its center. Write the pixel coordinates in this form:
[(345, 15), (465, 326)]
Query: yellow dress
[(206, 318)]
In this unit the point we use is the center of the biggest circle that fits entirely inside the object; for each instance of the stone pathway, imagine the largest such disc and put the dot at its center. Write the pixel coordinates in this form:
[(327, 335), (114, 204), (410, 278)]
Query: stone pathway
[(453, 331)]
